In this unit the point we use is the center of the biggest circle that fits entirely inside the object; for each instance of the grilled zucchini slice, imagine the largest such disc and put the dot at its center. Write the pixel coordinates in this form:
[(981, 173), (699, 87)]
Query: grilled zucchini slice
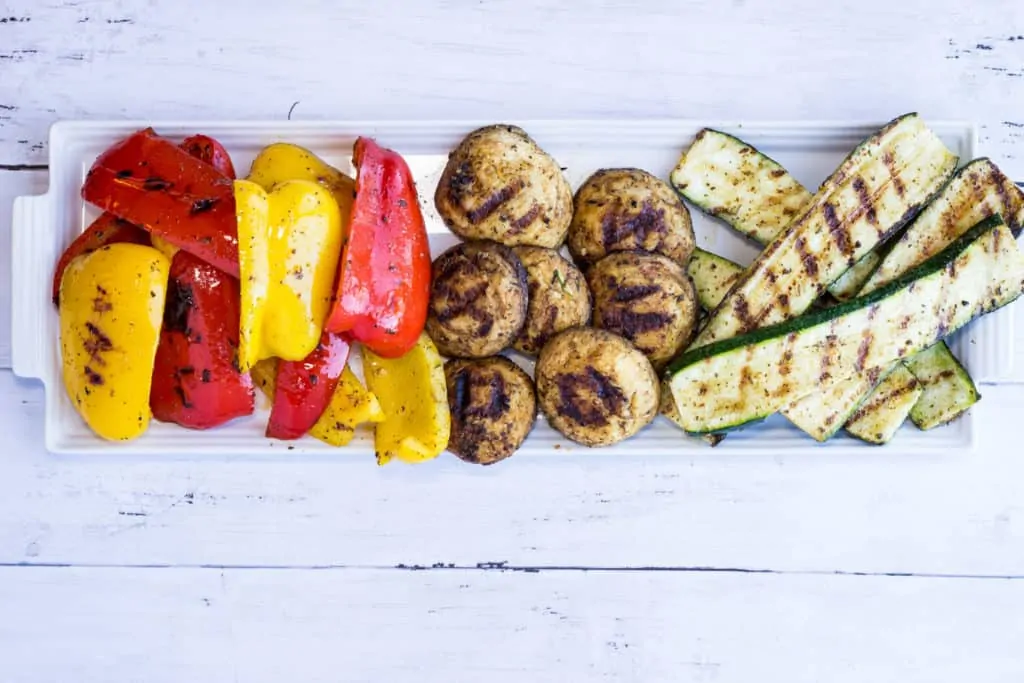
[(881, 186), (730, 179), (976, 191), (947, 391), (713, 276), (742, 379), (884, 412)]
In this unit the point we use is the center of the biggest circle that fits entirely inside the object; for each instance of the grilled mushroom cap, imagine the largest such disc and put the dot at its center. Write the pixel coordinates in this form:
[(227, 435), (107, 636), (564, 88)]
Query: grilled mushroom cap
[(559, 298), (646, 298), (499, 185), (623, 209), (595, 387), (493, 407), (478, 299)]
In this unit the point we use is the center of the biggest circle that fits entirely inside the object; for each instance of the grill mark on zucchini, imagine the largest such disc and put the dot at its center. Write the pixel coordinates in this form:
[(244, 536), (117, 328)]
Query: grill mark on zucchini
[(835, 228), (867, 339), (861, 188), (890, 165)]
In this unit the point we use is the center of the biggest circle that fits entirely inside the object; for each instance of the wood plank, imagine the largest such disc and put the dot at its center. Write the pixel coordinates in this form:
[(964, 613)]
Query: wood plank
[(264, 625), (885, 512), (757, 59)]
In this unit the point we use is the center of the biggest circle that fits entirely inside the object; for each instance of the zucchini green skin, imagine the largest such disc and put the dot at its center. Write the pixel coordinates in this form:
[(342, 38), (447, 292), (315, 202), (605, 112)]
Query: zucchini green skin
[(880, 187), (713, 276), (947, 391), (977, 190), (727, 178), (885, 410), (732, 382)]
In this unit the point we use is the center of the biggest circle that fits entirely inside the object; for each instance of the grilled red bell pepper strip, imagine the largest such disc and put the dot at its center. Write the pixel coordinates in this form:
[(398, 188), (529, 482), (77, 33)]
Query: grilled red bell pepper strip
[(304, 388), (148, 180), (209, 151), (197, 382), (384, 278), (109, 229)]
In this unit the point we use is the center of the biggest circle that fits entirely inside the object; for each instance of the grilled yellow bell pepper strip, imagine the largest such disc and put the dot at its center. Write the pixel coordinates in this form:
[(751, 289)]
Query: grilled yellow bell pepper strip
[(351, 404), (289, 243), (282, 161), (111, 308), (413, 394), (163, 246)]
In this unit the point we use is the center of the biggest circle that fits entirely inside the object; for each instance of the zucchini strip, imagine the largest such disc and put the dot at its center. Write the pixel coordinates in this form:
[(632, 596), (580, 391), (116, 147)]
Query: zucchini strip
[(713, 276), (976, 191), (738, 380), (732, 180), (881, 186), (885, 410)]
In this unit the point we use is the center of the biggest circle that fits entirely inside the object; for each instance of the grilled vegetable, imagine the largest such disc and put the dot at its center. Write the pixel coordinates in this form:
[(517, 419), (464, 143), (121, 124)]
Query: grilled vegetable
[(850, 283), (646, 298), (149, 181), (877, 420), (384, 279), (282, 161), (304, 388), (493, 408), (627, 209), (977, 190), (558, 297), (107, 229), (727, 178), (290, 242), (742, 379), (595, 387), (947, 391), (197, 382), (111, 304), (412, 393), (752, 193), (350, 406), (499, 185), (835, 404), (478, 299), (713, 276), (878, 188)]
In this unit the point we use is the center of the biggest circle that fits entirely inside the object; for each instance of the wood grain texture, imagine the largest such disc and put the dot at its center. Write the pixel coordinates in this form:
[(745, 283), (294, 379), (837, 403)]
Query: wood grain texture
[(357, 626), (340, 613)]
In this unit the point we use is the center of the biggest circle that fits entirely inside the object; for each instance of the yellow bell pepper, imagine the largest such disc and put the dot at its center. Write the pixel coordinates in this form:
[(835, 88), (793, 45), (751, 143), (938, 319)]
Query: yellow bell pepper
[(282, 161), (351, 404), (289, 243), (111, 309), (412, 391), (163, 246)]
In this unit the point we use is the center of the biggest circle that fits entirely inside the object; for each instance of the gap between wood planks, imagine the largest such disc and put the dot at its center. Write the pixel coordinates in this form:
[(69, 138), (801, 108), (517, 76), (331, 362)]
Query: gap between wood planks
[(506, 567)]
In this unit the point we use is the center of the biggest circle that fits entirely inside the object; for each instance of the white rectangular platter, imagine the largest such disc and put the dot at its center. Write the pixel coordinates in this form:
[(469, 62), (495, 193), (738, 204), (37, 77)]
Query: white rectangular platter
[(44, 225)]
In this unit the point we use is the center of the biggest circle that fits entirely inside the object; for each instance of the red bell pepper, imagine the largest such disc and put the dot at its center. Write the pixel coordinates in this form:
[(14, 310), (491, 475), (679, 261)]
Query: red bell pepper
[(109, 229), (209, 151), (197, 382), (148, 180), (384, 278), (303, 388)]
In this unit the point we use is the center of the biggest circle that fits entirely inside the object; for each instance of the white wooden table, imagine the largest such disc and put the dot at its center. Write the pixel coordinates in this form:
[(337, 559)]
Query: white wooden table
[(712, 568)]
